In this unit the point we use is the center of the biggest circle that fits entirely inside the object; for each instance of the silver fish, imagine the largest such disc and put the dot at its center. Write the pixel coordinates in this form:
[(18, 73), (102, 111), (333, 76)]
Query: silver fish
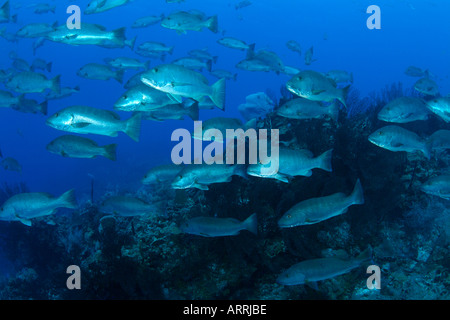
[(79, 147), (183, 21), (427, 87), (162, 173), (219, 227), (96, 71), (97, 6), (438, 186), (127, 206), (404, 110), (32, 82), (300, 108), (441, 107)]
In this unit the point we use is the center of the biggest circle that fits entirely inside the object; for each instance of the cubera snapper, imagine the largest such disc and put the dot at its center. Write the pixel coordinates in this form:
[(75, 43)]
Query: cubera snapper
[(395, 138), (96, 71), (97, 6), (301, 108), (318, 209), (441, 107), (79, 147), (438, 186), (142, 98), (219, 227), (85, 120), (26, 206), (179, 82), (161, 173), (403, 110), (315, 86), (127, 206), (310, 271), (33, 82), (182, 21)]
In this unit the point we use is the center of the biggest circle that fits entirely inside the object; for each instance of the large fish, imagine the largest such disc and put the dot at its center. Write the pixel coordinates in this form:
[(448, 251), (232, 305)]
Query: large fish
[(32, 82), (201, 175), (438, 186), (315, 86), (395, 138), (403, 110), (79, 147), (26, 206), (182, 21), (7, 100), (178, 82), (142, 98), (310, 271), (315, 210), (427, 86), (219, 227), (234, 43), (301, 108), (292, 163), (85, 120), (97, 6), (439, 140), (441, 107), (96, 71), (162, 173), (127, 206)]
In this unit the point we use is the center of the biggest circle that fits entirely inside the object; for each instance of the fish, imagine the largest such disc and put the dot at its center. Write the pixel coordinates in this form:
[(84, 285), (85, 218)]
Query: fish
[(301, 108), (79, 147), (253, 65), (42, 8), (11, 164), (234, 43), (174, 111), (309, 56), (164, 173), (156, 47), (203, 54), (5, 13), (193, 63), (31, 106), (220, 73), (65, 92), (291, 163), (40, 64), (440, 107), (256, 105), (96, 71), (290, 71), (127, 63), (242, 4), (183, 21), (24, 207), (413, 71), (294, 46), (437, 186), (97, 6), (33, 82), (218, 123), (315, 86), (395, 138), (313, 270), (127, 206), (219, 227), (21, 65), (35, 30), (142, 98), (427, 86), (147, 21), (315, 210), (85, 120), (268, 58), (90, 34), (179, 81), (404, 110), (340, 76), (200, 176), (439, 140), (8, 100)]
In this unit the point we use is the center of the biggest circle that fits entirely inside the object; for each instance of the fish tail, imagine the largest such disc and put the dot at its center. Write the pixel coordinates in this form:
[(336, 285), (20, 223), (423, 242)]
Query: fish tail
[(366, 254), (426, 150), (133, 127), (209, 65), (119, 34), (110, 151), (49, 67), (68, 200), (218, 94), (56, 84), (325, 160), (215, 59), (250, 52), (357, 195), (171, 50), (119, 75), (343, 96), (212, 24), (192, 105), (44, 107), (334, 111), (240, 170), (130, 43), (251, 224)]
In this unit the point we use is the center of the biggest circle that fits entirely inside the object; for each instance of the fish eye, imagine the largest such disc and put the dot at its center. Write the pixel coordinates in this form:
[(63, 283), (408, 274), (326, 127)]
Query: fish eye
[(380, 132), (125, 96), (289, 216), (155, 70), (56, 114)]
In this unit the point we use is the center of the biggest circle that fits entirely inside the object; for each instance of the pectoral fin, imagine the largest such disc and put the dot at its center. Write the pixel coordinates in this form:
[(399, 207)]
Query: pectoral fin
[(80, 125)]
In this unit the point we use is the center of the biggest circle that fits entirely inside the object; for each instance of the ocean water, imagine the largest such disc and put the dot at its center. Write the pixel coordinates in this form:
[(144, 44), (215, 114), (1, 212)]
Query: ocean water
[(406, 228)]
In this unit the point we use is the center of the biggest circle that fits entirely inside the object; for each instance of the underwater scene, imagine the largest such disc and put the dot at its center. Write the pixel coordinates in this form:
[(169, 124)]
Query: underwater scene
[(224, 150)]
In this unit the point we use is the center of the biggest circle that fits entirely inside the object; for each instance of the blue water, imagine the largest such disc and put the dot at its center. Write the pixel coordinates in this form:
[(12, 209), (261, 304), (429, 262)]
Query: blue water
[(412, 32)]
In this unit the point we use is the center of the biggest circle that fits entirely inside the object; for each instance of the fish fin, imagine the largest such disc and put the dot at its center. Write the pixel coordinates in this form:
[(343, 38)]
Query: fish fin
[(366, 254), (333, 111), (119, 33), (251, 224), (312, 285), (218, 94), (133, 127), (49, 67), (110, 151), (212, 24), (325, 160), (357, 195), (43, 107), (317, 92), (64, 154), (200, 186), (68, 200), (119, 75), (193, 108), (26, 222), (56, 84), (130, 43), (344, 94), (80, 125), (175, 98), (282, 177), (209, 65)]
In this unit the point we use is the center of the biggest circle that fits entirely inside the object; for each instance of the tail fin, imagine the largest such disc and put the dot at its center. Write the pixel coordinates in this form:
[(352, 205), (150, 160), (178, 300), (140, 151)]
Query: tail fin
[(357, 195), (110, 151), (218, 94), (212, 24), (343, 95), (214, 60), (49, 67), (133, 127), (68, 200), (240, 170), (426, 150), (333, 111), (193, 110), (324, 160), (44, 107), (251, 224), (365, 255), (171, 50), (250, 52), (251, 47), (119, 75), (119, 34), (5, 9), (130, 43), (209, 65), (56, 84)]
